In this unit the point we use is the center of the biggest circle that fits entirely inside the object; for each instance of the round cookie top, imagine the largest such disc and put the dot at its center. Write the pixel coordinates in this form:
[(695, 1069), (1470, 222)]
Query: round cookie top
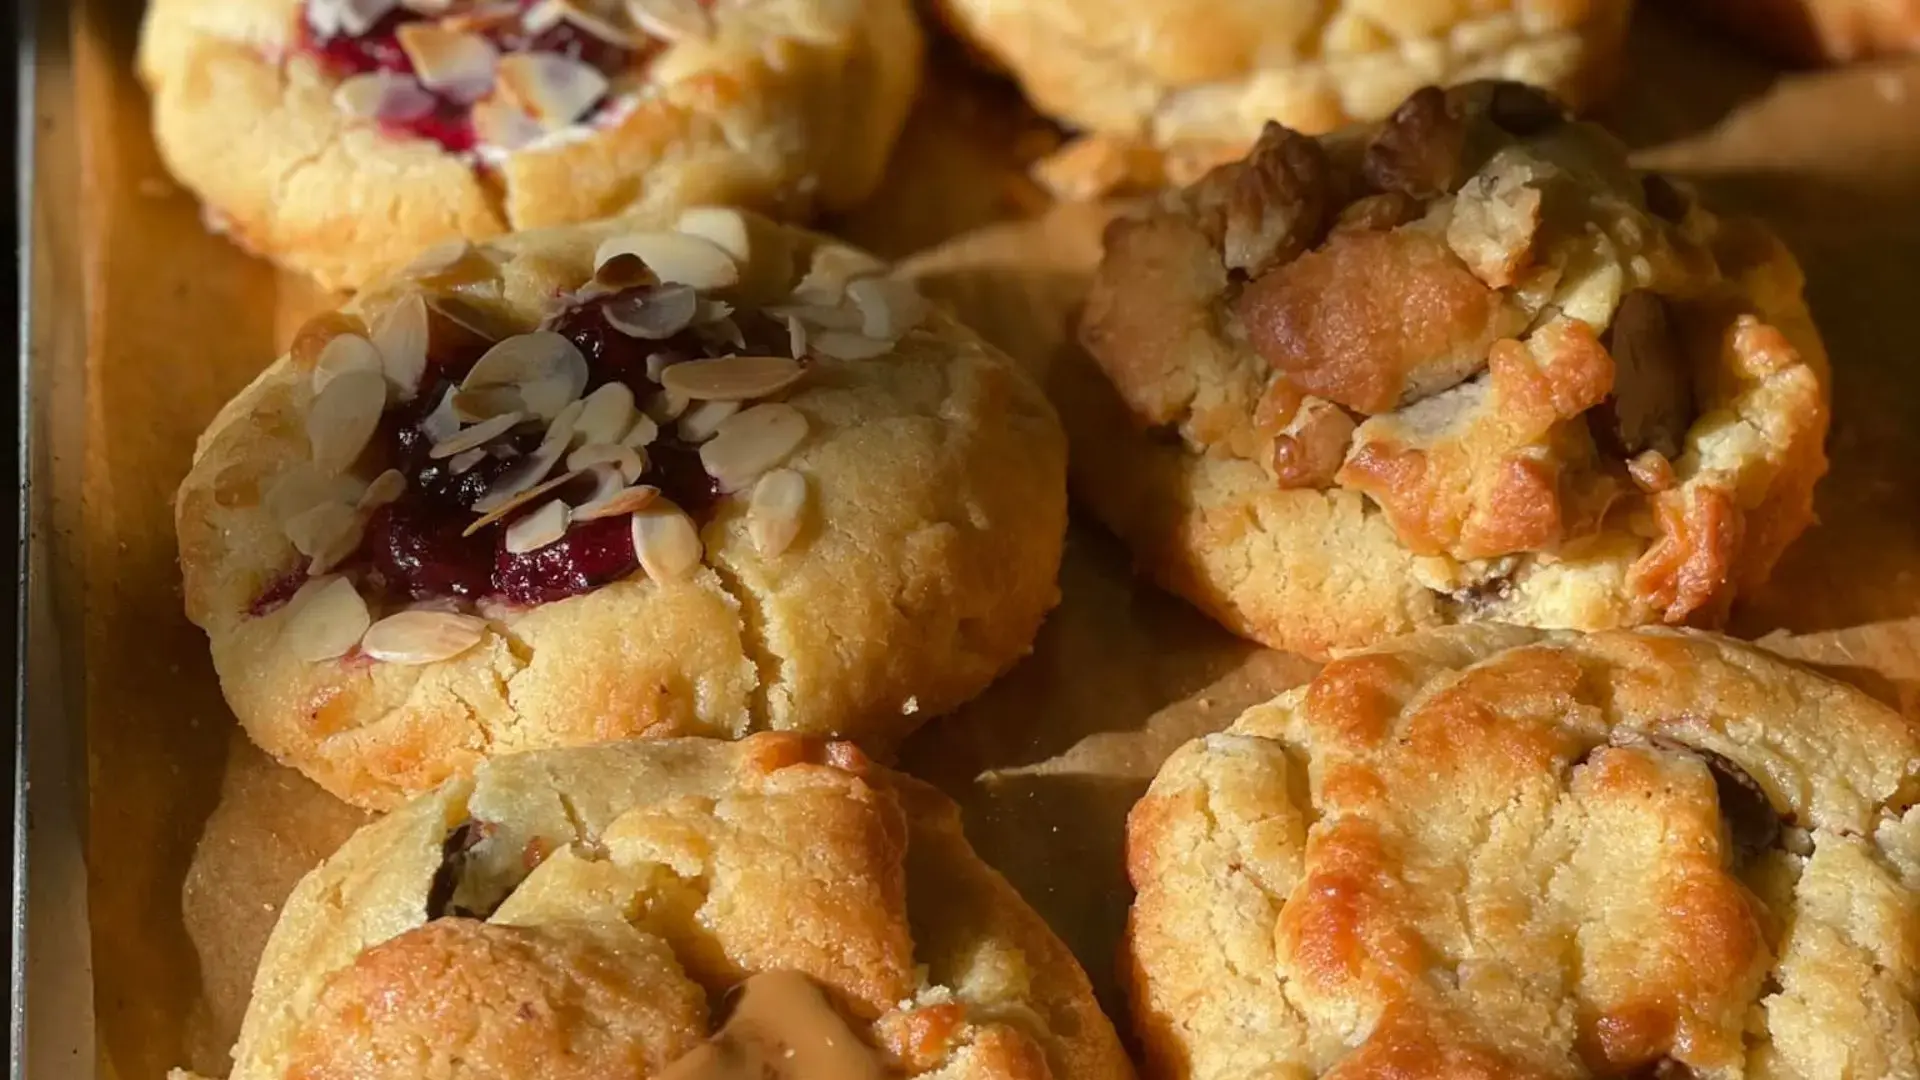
[(1479, 364), (341, 136), (615, 481), (585, 913), (1495, 852)]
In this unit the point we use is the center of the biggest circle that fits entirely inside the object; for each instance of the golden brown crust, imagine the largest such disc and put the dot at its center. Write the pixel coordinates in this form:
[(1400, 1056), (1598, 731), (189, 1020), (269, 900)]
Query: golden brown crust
[(791, 107), (1481, 371), (924, 567), (1494, 852), (624, 887)]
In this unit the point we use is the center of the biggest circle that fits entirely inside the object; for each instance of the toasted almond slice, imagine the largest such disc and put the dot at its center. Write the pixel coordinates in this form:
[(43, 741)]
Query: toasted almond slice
[(826, 279), (776, 511), (439, 258), (523, 358), (752, 442), (708, 312), (343, 417), (820, 316), (549, 13), (456, 63), (427, 7), (511, 486), (672, 21), (732, 378), (888, 306), (700, 422), (467, 459), (478, 435), (487, 402), (517, 502), (320, 526), (344, 353), (644, 430), (565, 425), (400, 336), (605, 415), (723, 225), (485, 16), (550, 396), (619, 500), (723, 331), (656, 314), (554, 90), (386, 487), (675, 257), (324, 620), (797, 337), (339, 547), (666, 541), (498, 123), (665, 406), (382, 95), (442, 423), (845, 345), (303, 487), (544, 526), (629, 461), (422, 637)]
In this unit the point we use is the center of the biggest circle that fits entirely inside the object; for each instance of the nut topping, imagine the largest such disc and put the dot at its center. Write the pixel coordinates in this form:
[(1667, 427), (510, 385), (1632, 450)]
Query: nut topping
[(517, 501), (303, 487), (657, 314), (629, 461), (752, 442), (610, 498), (888, 307), (775, 510), (677, 258), (700, 422), (343, 418), (732, 378), (453, 62), (672, 20), (325, 619), (478, 435), (845, 345), (666, 541), (382, 95), (350, 17), (554, 90), (422, 637), (546, 14), (1419, 150), (605, 415), (347, 352), (485, 403), (1271, 206), (400, 335), (538, 529)]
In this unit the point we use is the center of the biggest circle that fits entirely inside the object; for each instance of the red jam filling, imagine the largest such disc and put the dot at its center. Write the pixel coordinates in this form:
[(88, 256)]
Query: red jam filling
[(450, 123)]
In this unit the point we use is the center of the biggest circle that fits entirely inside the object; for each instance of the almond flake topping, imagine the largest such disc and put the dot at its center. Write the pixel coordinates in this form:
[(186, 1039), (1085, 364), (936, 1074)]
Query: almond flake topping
[(548, 13), (442, 423), (439, 258), (643, 432), (473, 406), (538, 529), (700, 422), (303, 487), (478, 435), (546, 369), (341, 354), (796, 337), (517, 502), (400, 335), (453, 62), (676, 258), (888, 307), (665, 405), (382, 95), (775, 511), (554, 90), (605, 415), (386, 487), (732, 378), (821, 316), (466, 460), (324, 619), (343, 417), (846, 345), (666, 541), (629, 461), (351, 17), (752, 442), (672, 20), (659, 313), (509, 488), (321, 527), (497, 123), (726, 227), (826, 279), (620, 500), (422, 637)]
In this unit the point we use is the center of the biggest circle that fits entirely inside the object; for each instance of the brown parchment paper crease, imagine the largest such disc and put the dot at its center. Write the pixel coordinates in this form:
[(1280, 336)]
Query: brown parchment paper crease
[(195, 837)]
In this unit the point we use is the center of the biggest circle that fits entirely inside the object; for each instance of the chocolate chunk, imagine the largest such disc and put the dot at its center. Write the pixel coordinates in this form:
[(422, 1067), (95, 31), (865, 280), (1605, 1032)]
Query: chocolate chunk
[(453, 865), (1753, 825), (1418, 150), (1651, 406)]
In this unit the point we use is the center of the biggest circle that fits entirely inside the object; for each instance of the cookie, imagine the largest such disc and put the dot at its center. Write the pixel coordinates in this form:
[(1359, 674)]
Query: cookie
[(1143, 75), (340, 137), (613, 481), (1822, 31), (1463, 365), (1498, 852), (585, 913)]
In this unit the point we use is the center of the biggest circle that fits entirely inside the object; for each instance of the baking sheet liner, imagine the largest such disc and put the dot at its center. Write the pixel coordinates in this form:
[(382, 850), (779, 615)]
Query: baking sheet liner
[(195, 837)]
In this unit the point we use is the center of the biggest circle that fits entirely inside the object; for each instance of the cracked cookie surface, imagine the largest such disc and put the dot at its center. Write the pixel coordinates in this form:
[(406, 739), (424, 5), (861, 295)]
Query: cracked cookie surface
[(787, 105), (843, 535), (1495, 852), (569, 912), (1462, 365)]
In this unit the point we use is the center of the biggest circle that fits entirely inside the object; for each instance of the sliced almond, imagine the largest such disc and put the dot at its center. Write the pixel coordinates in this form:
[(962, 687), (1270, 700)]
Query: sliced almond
[(656, 314), (776, 511), (548, 13), (675, 257), (723, 225), (466, 460), (303, 487), (796, 337), (548, 397), (382, 95), (666, 541), (320, 526), (554, 90), (325, 619), (442, 423), (339, 547), (616, 500), (455, 63), (400, 336), (665, 406), (386, 487), (629, 461), (343, 418), (487, 402), (845, 345), (510, 487), (344, 353), (478, 435), (672, 21), (565, 425), (832, 268), (888, 306), (732, 378), (699, 423), (421, 637), (524, 358), (605, 415), (747, 445), (439, 258), (642, 433), (500, 124), (724, 332), (820, 316), (427, 7), (544, 526), (517, 502)]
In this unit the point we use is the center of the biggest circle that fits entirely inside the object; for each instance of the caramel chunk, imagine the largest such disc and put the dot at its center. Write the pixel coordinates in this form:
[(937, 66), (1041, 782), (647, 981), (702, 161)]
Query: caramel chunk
[(782, 1028)]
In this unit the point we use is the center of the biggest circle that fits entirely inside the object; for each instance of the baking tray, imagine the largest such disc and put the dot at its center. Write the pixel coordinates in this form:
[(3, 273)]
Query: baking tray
[(161, 844)]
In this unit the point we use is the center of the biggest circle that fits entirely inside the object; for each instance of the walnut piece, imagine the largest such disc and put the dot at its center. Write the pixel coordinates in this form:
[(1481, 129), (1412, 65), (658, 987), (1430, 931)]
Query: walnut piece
[(1270, 206), (1418, 150)]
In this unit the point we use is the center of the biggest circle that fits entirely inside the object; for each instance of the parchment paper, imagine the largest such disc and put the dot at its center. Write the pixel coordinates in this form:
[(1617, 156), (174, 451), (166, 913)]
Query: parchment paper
[(1048, 761)]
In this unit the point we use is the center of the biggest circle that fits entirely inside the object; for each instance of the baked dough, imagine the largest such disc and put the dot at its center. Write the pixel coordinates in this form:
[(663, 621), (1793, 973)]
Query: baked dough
[(786, 105), (1464, 365), (1815, 31), (1492, 852), (1144, 73), (881, 560), (576, 913)]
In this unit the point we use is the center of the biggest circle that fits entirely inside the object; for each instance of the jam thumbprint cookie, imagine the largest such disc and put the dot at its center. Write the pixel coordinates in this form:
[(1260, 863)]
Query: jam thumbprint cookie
[(1463, 365), (1496, 853), (675, 910), (598, 483), (340, 137)]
